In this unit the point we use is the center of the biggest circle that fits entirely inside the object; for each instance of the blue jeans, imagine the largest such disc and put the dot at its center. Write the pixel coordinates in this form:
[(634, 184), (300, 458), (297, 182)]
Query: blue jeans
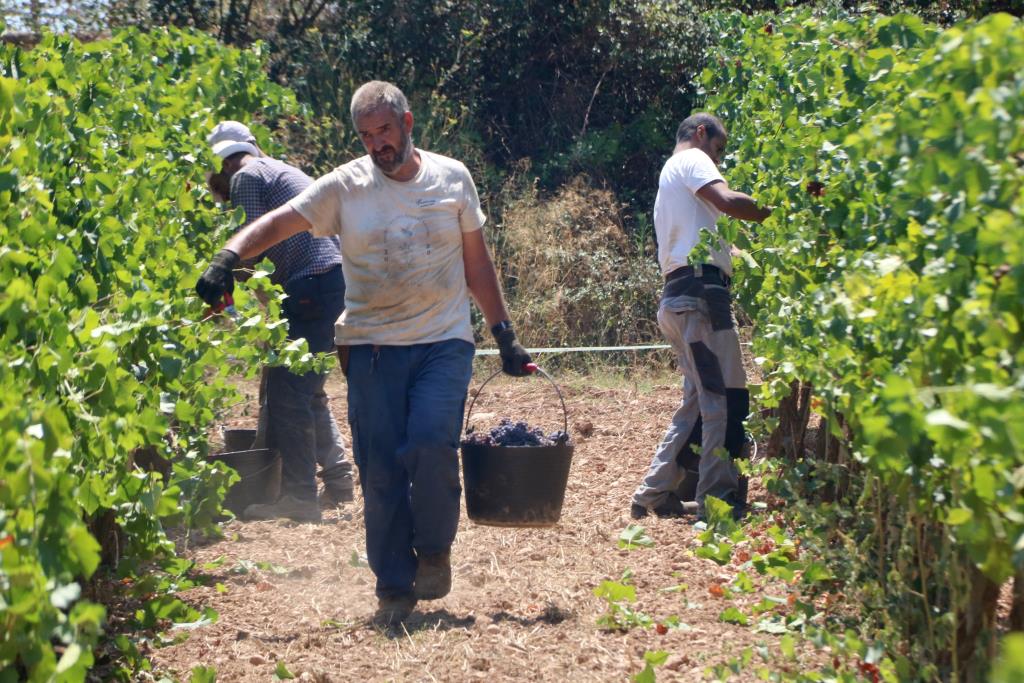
[(405, 409), (300, 425)]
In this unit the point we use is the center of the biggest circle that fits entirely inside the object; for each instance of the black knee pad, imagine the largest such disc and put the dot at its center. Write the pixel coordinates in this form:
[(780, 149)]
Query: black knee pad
[(708, 368), (687, 489), (737, 406), (687, 458)]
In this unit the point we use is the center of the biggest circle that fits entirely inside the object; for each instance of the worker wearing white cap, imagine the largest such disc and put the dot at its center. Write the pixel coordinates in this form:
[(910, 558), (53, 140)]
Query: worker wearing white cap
[(299, 422)]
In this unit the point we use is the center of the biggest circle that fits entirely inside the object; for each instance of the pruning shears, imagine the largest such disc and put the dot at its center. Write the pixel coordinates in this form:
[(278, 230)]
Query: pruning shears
[(225, 305)]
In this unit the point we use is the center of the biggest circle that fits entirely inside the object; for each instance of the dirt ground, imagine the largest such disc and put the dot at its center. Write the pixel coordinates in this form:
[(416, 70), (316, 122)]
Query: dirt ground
[(522, 606)]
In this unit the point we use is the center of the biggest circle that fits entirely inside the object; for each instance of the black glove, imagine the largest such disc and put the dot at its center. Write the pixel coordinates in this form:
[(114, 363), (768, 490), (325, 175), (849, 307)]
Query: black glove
[(513, 356), (218, 280)]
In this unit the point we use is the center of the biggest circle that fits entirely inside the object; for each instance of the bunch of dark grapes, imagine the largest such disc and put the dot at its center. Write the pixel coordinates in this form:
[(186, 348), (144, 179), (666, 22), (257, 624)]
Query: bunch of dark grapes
[(515, 433), (478, 439)]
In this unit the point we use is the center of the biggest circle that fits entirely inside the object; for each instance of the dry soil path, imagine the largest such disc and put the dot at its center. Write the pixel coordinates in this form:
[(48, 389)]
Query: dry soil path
[(522, 606)]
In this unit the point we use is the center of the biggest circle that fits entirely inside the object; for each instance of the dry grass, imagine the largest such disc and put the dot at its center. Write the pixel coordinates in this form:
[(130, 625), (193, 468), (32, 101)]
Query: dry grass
[(572, 273), (522, 606)]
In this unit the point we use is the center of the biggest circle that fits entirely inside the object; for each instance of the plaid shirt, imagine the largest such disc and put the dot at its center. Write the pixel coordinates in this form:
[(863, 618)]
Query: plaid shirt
[(261, 186)]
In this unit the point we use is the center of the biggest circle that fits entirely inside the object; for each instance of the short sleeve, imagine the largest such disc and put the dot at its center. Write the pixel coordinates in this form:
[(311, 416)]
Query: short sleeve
[(249, 191), (471, 216), (320, 204), (700, 171)]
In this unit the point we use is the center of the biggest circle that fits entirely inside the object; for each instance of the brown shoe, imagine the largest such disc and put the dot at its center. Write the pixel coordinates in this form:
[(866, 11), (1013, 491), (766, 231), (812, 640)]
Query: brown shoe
[(433, 576), (393, 610)]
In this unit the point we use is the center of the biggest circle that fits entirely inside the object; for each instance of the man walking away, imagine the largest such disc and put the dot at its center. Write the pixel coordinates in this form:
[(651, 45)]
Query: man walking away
[(299, 421), (695, 316)]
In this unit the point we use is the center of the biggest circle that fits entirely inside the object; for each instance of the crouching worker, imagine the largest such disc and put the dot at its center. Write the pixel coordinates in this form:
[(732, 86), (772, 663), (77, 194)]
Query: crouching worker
[(299, 422), (695, 316), (410, 227)]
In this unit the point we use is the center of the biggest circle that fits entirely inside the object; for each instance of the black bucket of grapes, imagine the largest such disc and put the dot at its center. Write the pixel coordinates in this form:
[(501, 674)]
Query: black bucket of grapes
[(515, 476)]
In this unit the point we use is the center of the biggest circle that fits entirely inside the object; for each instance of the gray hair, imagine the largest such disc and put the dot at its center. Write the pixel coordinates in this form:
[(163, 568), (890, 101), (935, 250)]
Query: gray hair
[(370, 96), (712, 124)]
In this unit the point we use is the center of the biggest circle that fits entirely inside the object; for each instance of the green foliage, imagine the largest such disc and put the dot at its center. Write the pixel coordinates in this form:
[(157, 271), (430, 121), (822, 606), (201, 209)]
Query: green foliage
[(732, 615), (889, 279), (594, 86), (106, 356), (651, 660), (281, 672), (1010, 665), (203, 674), (620, 616), (950, 10), (635, 536), (588, 86)]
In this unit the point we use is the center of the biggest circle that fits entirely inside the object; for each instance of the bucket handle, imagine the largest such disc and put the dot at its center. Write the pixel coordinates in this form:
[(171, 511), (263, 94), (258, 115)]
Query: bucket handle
[(536, 368)]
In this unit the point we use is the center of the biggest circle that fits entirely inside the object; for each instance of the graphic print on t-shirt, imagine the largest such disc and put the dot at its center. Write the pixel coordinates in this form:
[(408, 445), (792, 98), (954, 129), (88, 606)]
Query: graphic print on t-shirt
[(406, 241), (416, 265)]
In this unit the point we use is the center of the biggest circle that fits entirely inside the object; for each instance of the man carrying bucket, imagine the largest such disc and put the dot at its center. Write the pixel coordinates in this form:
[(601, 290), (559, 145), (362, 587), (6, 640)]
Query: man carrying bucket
[(695, 316), (299, 422), (410, 227)]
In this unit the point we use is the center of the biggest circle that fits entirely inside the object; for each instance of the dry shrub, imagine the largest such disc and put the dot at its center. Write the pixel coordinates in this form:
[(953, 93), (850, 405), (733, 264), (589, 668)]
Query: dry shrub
[(573, 275)]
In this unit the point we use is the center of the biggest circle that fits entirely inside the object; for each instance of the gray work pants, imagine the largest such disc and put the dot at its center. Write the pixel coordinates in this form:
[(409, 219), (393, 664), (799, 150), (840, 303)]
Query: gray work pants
[(303, 430), (301, 426), (711, 364)]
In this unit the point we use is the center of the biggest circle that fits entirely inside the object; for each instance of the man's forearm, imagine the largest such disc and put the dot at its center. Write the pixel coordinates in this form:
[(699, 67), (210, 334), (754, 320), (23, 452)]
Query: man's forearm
[(266, 231), (482, 278), (483, 285), (742, 206)]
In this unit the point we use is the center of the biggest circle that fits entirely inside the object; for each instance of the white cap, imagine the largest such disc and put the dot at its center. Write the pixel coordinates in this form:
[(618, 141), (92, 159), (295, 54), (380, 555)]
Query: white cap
[(232, 137)]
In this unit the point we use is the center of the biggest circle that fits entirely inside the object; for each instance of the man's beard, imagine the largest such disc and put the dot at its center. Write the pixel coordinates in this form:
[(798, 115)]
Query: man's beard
[(397, 157)]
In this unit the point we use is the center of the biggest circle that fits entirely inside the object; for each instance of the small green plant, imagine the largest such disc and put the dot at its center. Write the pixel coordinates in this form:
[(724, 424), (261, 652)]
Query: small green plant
[(732, 615), (651, 660), (246, 566), (635, 536), (619, 615), (203, 674), (721, 534), (281, 672)]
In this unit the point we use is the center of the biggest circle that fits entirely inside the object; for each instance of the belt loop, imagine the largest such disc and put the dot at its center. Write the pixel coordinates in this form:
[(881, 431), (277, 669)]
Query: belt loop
[(698, 271)]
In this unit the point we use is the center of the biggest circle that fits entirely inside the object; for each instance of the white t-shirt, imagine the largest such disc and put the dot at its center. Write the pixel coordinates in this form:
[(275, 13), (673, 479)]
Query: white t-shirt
[(401, 244), (679, 214)]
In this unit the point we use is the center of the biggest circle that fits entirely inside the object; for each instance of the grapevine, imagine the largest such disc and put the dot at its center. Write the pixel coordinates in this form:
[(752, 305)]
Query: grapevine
[(886, 287), (109, 377)]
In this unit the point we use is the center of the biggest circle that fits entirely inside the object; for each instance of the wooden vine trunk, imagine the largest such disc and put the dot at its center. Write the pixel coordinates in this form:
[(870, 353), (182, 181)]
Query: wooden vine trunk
[(794, 411), (834, 452), (103, 524), (108, 533), (1017, 605), (976, 644)]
